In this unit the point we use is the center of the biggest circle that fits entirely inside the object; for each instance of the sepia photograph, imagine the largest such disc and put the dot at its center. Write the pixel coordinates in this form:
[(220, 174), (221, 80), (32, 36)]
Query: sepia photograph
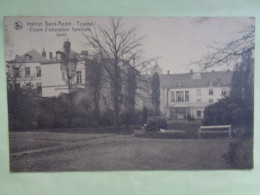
[(130, 93)]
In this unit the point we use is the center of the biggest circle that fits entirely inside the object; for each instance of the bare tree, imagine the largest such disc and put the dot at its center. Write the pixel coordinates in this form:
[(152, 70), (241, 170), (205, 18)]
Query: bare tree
[(93, 72), (231, 53), (116, 46), (68, 66)]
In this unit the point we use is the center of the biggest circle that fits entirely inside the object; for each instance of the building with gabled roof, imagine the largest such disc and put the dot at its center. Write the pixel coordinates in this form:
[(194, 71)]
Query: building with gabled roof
[(25, 70), (187, 95)]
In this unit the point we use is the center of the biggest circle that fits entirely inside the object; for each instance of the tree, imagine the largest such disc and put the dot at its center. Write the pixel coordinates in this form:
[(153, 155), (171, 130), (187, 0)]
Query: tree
[(93, 72), (237, 54), (238, 108), (116, 46), (131, 92), (68, 66), (155, 84), (231, 53), (242, 84)]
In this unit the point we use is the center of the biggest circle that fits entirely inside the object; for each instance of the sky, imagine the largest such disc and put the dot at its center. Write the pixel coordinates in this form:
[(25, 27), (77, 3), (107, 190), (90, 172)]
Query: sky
[(176, 42)]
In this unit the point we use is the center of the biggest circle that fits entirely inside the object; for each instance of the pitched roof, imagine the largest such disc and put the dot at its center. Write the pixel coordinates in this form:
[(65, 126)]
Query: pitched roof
[(33, 57), (72, 55), (195, 80)]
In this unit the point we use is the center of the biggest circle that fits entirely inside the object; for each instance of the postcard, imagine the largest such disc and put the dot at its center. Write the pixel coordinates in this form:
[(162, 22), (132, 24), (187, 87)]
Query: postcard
[(118, 93)]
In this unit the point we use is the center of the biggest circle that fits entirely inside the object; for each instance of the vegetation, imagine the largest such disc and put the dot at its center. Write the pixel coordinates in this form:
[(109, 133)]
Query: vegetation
[(156, 123), (155, 84), (118, 49), (238, 108)]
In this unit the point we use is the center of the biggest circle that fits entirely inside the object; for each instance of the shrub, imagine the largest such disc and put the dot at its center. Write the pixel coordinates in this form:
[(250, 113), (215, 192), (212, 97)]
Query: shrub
[(44, 121), (135, 118), (106, 118), (155, 124), (228, 111)]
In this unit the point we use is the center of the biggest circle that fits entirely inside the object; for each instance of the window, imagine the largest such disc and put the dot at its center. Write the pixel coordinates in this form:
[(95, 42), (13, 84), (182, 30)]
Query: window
[(16, 72), (79, 77), (172, 96), (210, 91), (210, 101), (198, 100), (27, 71), (179, 96), (224, 92), (28, 57), (179, 84), (187, 97), (198, 113), (38, 71), (198, 92), (179, 112)]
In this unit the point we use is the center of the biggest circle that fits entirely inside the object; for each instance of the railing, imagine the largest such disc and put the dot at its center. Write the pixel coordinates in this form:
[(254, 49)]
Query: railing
[(212, 130)]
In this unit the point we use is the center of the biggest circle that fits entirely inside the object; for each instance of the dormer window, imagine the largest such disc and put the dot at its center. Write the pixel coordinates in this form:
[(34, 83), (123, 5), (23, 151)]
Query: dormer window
[(179, 84), (58, 56), (28, 57)]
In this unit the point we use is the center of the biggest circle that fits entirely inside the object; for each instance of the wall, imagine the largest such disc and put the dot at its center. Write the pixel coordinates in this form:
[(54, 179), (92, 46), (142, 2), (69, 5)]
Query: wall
[(53, 83)]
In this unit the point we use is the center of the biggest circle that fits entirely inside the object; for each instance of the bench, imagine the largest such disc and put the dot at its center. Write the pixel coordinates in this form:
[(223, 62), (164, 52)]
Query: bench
[(213, 130)]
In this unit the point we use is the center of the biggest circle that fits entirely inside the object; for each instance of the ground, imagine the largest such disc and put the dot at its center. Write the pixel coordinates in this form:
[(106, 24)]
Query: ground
[(55, 151)]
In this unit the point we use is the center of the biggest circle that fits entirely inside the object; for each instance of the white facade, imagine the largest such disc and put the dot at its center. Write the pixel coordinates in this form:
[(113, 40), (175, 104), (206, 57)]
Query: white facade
[(53, 83), (187, 97)]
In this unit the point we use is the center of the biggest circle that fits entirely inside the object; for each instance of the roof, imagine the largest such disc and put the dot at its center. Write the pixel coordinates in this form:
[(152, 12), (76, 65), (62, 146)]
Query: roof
[(33, 57), (72, 55), (195, 80)]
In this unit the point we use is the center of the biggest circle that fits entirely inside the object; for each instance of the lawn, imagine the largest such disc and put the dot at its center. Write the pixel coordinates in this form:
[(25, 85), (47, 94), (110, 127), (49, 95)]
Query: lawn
[(56, 151)]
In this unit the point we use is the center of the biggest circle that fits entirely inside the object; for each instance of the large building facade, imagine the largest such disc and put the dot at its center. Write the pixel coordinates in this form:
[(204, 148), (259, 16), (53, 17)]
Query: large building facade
[(182, 95), (187, 95)]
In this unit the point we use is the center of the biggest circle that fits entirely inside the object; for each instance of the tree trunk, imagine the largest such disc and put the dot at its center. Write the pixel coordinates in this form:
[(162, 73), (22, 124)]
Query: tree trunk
[(116, 105)]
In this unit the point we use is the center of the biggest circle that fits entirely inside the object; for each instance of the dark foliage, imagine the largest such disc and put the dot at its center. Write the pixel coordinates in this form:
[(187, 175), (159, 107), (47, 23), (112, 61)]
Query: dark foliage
[(131, 118), (156, 123), (237, 109), (155, 84)]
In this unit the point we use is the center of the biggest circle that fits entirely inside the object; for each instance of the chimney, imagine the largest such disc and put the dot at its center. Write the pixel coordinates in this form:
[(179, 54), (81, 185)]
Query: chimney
[(50, 54), (191, 70), (168, 72), (66, 47)]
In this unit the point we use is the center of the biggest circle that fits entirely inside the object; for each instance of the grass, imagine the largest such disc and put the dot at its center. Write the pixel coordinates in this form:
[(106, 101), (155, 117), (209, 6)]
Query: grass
[(59, 151)]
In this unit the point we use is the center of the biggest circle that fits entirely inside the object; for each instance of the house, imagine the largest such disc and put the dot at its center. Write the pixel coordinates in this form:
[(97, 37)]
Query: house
[(187, 95), (25, 70), (63, 72)]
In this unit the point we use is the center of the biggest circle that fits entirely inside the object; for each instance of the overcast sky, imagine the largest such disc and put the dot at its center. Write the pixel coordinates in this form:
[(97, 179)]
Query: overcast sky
[(175, 41)]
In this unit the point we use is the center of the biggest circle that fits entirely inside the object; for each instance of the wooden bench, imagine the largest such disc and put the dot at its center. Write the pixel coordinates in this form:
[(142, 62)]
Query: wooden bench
[(212, 130)]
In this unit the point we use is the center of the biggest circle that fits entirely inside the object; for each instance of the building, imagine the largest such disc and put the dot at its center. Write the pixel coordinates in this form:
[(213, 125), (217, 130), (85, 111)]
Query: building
[(63, 72), (25, 70), (187, 95)]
